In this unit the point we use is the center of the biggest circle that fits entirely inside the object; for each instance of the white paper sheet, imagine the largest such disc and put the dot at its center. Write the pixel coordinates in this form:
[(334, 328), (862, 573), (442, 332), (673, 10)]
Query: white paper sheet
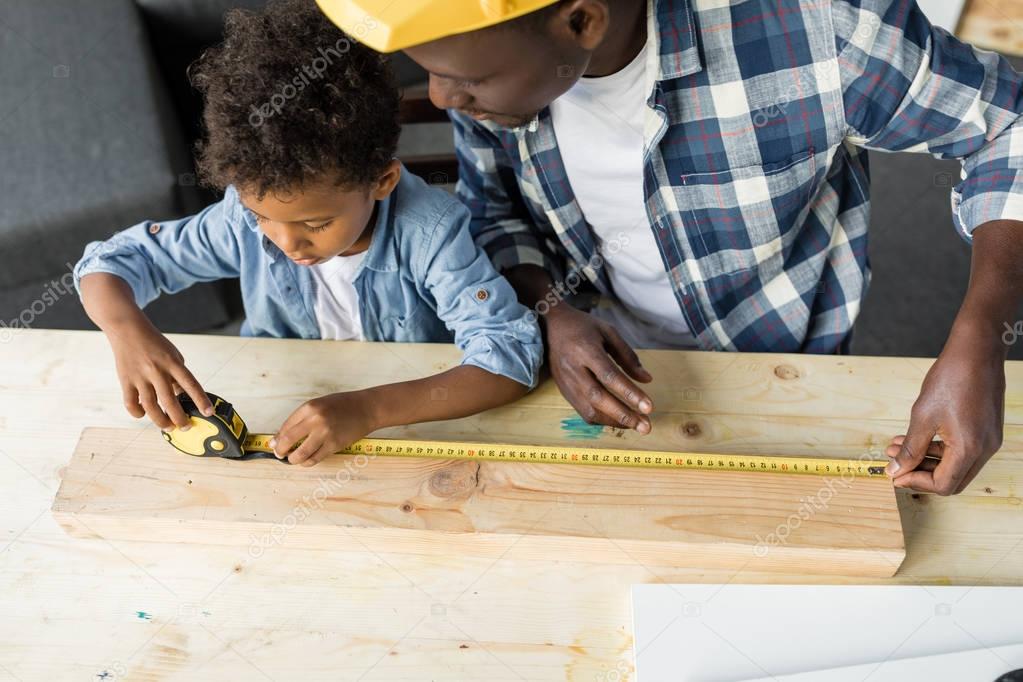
[(981, 665), (944, 13), (728, 633)]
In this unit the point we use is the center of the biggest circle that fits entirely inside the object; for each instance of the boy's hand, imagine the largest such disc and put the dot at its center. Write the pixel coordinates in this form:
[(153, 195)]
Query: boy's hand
[(586, 358), (324, 426), (152, 372)]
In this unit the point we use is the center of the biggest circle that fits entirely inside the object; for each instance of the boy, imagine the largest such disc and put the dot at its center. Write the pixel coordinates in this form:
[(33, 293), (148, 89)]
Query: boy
[(329, 236)]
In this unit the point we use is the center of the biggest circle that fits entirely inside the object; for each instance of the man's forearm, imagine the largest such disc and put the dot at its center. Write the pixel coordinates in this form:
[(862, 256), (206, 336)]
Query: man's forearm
[(531, 283), (995, 292), (534, 285)]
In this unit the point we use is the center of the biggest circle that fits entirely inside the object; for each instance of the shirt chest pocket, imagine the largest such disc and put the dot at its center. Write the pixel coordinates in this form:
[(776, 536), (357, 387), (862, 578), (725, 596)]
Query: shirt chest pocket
[(742, 219)]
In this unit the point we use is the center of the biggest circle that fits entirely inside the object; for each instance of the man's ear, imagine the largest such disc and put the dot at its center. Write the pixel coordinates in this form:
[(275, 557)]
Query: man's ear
[(387, 181), (583, 22)]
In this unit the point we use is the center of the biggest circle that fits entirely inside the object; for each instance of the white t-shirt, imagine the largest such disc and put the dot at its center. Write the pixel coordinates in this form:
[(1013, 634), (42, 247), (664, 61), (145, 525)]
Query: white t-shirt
[(337, 302), (599, 125)]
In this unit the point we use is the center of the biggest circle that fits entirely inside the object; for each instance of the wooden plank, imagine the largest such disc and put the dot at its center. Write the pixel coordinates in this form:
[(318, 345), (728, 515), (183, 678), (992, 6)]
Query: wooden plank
[(129, 486)]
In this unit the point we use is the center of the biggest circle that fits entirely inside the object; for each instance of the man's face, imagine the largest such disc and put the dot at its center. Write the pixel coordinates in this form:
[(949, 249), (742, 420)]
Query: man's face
[(501, 74), (322, 220)]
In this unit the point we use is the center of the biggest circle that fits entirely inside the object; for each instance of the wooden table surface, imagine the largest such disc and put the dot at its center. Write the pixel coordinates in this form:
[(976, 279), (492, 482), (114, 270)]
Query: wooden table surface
[(74, 609), (993, 25)]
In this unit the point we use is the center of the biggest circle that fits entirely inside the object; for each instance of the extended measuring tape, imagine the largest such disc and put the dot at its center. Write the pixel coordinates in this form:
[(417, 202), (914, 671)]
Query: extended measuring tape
[(225, 435)]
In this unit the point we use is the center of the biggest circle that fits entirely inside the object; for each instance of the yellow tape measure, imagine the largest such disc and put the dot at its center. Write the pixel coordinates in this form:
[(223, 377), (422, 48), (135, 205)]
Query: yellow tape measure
[(559, 454), (224, 434)]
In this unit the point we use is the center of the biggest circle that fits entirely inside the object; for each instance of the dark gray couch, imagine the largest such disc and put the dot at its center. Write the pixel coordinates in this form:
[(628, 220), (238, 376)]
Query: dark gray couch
[(97, 124), (92, 143)]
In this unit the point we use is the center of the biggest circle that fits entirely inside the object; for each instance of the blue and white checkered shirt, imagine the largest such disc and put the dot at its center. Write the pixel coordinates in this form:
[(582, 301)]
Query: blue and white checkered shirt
[(755, 179)]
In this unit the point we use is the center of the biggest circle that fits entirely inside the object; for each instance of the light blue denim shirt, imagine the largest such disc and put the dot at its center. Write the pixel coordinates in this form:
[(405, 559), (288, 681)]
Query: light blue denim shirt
[(422, 280)]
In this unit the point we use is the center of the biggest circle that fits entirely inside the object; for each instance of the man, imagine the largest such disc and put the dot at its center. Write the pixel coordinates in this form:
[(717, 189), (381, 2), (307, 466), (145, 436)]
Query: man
[(701, 163)]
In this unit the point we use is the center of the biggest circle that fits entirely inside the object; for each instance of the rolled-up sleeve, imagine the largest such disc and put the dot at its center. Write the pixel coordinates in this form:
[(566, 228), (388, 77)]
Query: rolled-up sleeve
[(910, 86), (169, 256), (491, 328), (487, 185)]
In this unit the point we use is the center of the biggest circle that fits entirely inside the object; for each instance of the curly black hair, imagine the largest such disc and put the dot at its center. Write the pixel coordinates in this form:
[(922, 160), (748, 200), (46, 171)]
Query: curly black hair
[(289, 99)]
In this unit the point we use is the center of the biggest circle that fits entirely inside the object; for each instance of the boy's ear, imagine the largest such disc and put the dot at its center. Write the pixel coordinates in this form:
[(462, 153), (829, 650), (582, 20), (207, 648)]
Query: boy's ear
[(387, 181)]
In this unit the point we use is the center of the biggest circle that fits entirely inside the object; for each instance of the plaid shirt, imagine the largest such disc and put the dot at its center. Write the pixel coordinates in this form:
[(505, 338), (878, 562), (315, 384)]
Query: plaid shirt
[(755, 179)]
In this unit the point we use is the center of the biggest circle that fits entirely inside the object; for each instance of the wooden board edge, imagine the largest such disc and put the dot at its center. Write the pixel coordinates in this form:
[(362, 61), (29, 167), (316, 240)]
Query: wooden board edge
[(263, 538)]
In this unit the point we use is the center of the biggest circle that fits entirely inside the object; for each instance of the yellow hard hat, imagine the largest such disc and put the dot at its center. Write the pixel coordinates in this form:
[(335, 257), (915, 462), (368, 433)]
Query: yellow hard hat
[(391, 25)]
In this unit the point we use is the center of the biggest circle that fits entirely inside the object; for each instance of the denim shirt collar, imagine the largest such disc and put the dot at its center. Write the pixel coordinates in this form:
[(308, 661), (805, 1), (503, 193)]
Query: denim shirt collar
[(381, 256)]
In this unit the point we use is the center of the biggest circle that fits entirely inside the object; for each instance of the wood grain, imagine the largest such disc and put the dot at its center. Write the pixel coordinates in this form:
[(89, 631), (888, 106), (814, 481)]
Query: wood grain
[(212, 612), (993, 25), (123, 486)]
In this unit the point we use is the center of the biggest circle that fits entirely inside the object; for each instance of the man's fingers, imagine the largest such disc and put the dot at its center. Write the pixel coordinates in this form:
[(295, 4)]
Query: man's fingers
[(970, 475), (591, 415), (577, 397), (188, 383), (912, 450), (625, 356), (947, 476), (950, 472), (921, 481), (600, 401), (615, 381), (935, 449)]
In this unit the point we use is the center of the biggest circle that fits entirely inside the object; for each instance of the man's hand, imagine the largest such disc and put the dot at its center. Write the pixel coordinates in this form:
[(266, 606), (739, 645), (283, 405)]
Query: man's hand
[(587, 358), (324, 426), (963, 396), (962, 403)]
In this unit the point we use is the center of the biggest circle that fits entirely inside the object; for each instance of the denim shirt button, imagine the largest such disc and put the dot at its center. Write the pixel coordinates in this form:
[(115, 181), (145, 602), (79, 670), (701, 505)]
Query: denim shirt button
[(482, 295), (154, 228)]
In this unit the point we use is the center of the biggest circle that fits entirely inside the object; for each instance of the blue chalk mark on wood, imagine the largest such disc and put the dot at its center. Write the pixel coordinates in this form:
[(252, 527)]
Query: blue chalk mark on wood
[(142, 615), (576, 428)]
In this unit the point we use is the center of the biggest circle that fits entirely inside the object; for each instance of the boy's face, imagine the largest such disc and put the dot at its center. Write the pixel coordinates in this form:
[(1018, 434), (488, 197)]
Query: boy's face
[(507, 74), (321, 220)]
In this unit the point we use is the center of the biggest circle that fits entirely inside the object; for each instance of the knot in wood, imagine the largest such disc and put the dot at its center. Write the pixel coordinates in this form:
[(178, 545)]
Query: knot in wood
[(786, 372), (454, 479), (691, 430)]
